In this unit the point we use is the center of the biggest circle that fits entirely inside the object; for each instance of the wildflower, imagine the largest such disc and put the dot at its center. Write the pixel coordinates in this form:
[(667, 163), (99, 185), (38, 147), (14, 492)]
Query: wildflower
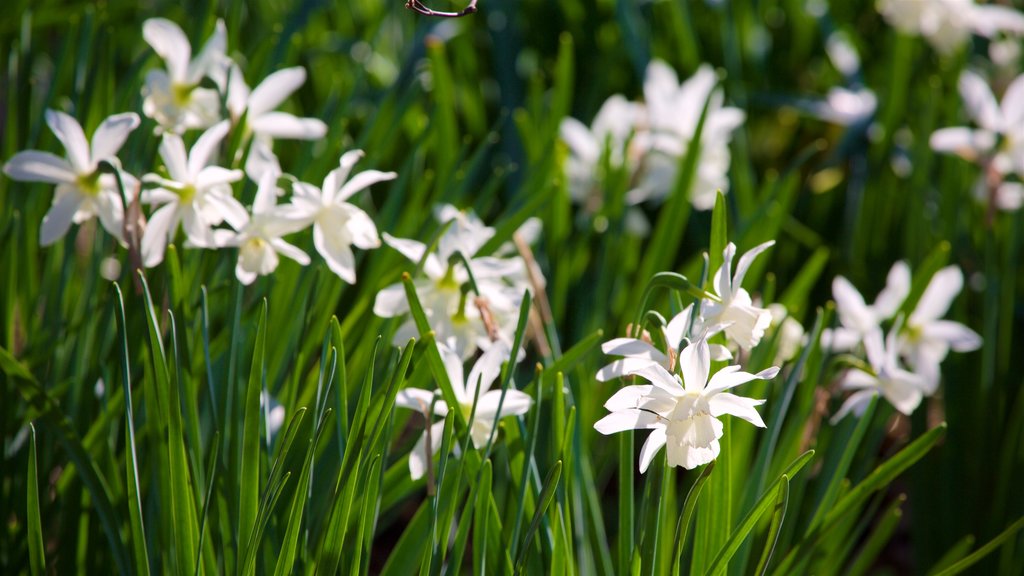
[(456, 319), (683, 416), (483, 374), (338, 225), (174, 98), (743, 322), (83, 192), (674, 111), (195, 194), (258, 237), (856, 318), (903, 389), (948, 24), (927, 339), (998, 142)]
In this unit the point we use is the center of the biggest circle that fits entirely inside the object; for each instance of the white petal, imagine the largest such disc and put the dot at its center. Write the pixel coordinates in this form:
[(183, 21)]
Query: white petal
[(516, 403), (579, 139), (632, 348), (275, 89), (959, 337), (874, 345), (746, 260), (420, 400), (110, 211), (1010, 196), (211, 56), (290, 251), (487, 368), (215, 176), (623, 420), (1012, 104), (695, 363), (853, 312), (391, 301), (660, 377), (942, 289), (676, 329), (172, 151), (336, 252), (655, 441), (419, 456), (37, 166), (111, 134), (990, 19), (285, 125), (723, 380), (453, 367), (628, 397), (726, 403), (363, 180), (897, 287), (58, 218), (69, 132), (856, 403), (361, 228), (964, 142), (723, 276), (170, 43), (161, 226), (205, 147), (979, 101), (622, 367)]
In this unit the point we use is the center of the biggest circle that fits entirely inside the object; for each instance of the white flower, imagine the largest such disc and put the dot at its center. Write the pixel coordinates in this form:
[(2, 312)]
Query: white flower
[(451, 311), (258, 237), (637, 353), (486, 416), (791, 333), (926, 338), (683, 416), (856, 318), (903, 389), (948, 24), (338, 225), (174, 97), (674, 111), (82, 191), (743, 322), (195, 194), (610, 131)]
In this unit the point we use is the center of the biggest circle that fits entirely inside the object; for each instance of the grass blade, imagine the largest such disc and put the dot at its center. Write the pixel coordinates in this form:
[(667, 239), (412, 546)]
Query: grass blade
[(36, 554)]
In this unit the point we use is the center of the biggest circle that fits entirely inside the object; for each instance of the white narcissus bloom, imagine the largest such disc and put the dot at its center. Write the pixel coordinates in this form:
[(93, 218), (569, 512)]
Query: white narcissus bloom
[(948, 24), (683, 416), (636, 353), (997, 143), (174, 97), (486, 416), (453, 315), (926, 338), (338, 225), (673, 112), (194, 194), (83, 192), (856, 318), (743, 322), (903, 389), (258, 237)]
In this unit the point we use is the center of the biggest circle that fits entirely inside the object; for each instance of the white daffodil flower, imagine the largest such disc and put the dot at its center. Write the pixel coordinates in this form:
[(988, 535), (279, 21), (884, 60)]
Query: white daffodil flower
[(258, 237), (195, 194), (856, 318), (83, 192), (174, 97), (743, 322), (997, 143), (338, 225), (636, 353), (487, 413), (903, 389), (683, 416), (673, 112), (948, 24), (610, 132), (452, 312), (926, 338), (262, 120)]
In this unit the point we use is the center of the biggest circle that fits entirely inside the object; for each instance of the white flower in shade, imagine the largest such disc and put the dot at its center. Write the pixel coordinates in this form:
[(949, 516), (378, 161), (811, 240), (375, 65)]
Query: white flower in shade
[(195, 194), (83, 192), (258, 237), (903, 389), (683, 416), (948, 24), (609, 133), (998, 141), (791, 333), (743, 322), (338, 225), (636, 353), (174, 97), (477, 386), (673, 113), (856, 318), (454, 313), (262, 119), (926, 338)]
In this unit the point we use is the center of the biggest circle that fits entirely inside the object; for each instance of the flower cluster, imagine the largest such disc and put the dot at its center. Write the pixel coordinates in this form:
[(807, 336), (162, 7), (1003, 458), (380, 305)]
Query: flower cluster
[(949, 24), (648, 140), (920, 343), (194, 191)]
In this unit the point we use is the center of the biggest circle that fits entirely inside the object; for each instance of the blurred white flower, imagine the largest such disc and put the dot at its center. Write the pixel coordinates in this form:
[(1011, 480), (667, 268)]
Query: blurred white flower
[(195, 194), (791, 333), (483, 374), (82, 191), (673, 112), (856, 318), (926, 338), (174, 97), (997, 143), (683, 416), (338, 225), (452, 312), (948, 24), (743, 322), (258, 237), (903, 389)]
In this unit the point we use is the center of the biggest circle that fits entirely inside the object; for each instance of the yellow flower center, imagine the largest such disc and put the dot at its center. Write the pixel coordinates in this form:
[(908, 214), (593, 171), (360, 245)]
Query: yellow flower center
[(89, 183)]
